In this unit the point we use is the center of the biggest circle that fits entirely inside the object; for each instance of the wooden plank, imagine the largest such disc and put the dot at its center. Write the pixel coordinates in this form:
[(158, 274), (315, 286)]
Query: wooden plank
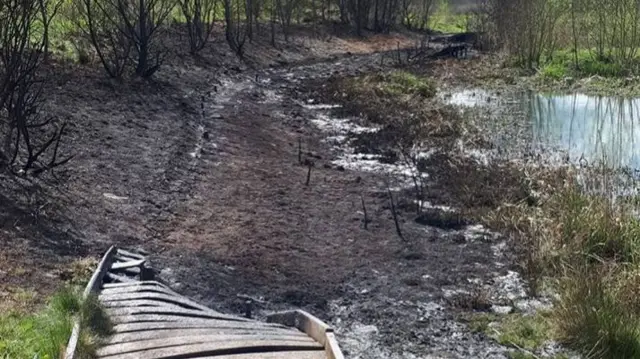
[(331, 347), (120, 278), (304, 321), (160, 297), (129, 264), (138, 283), (139, 303), (138, 288), (186, 324), (192, 313), (121, 258), (139, 345), (182, 332), (93, 285), (313, 326), (306, 354), (163, 318), (127, 253), (215, 348), (131, 271)]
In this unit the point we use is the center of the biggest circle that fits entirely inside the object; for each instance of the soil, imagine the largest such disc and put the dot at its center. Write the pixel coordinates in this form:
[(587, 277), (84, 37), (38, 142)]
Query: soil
[(206, 167)]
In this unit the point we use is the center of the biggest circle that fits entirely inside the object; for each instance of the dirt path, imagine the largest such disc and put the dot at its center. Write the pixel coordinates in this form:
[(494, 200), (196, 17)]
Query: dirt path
[(251, 226)]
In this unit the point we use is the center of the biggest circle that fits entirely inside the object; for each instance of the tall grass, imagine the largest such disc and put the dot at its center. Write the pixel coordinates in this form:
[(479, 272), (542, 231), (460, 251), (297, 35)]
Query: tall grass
[(45, 334), (588, 247), (592, 317)]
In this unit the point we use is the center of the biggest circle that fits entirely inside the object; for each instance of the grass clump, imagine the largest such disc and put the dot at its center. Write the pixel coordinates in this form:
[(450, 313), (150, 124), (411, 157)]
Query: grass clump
[(400, 83), (592, 317), (44, 334), (514, 330), (554, 72), (524, 331)]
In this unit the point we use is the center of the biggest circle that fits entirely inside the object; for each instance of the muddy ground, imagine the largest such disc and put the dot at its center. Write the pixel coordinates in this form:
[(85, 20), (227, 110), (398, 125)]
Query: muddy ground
[(202, 168)]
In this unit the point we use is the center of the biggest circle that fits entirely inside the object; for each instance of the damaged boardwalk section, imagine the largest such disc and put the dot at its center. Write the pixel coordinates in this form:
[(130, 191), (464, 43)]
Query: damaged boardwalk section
[(150, 321)]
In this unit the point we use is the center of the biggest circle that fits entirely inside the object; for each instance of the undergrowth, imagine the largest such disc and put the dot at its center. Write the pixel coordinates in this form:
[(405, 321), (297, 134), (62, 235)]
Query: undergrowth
[(588, 248), (397, 84), (563, 63), (44, 334)]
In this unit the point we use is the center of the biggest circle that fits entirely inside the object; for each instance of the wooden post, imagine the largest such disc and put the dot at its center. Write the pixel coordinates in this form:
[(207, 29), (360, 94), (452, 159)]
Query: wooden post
[(309, 174)]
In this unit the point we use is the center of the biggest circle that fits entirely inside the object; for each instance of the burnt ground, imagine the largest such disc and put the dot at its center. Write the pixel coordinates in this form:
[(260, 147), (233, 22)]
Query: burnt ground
[(209, 180), (252, 227)]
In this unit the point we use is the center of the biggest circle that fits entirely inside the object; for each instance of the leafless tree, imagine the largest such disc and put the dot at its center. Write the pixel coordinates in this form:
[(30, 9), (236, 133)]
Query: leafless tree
[(285, 9), (120, 28), (48, 11), (140, 21), (26, 136), (99, 24), (200, 19), (235, 25), (526, 27)]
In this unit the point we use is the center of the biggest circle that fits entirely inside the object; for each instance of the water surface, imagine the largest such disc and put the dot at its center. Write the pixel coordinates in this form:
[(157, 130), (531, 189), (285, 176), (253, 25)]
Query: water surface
[(591, 129)]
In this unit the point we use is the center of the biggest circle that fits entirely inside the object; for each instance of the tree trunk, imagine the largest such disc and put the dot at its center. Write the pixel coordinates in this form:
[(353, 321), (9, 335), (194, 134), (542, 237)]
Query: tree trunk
[(143, 50)]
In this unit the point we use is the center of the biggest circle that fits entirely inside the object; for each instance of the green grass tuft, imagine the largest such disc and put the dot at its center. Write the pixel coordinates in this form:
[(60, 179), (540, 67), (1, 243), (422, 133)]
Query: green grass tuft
[(516, 330), (45, 334), (401, 83), (593, 319), (525, 331), (554, 71)]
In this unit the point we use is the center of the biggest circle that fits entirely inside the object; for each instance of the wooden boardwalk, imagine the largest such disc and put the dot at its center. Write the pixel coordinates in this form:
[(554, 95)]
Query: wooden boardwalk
[(153, 322)]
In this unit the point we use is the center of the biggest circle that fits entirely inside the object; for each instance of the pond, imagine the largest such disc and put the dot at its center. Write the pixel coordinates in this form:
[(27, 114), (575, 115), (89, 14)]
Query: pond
[(591, 130)]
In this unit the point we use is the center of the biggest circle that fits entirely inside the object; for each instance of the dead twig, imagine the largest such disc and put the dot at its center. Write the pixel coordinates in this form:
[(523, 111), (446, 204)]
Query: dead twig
[(309, 173), (364, 209), (394, 212)]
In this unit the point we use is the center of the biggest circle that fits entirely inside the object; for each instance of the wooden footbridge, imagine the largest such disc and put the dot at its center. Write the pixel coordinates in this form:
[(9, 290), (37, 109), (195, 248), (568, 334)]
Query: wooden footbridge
[(153, 322)]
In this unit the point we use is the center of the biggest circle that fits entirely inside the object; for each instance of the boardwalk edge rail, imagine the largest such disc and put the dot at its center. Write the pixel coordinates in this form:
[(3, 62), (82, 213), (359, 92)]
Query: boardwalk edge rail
[(313, 327), (92, 286)]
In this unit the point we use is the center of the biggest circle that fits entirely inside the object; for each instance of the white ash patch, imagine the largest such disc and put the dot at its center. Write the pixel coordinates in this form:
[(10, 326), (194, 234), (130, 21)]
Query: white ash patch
[(468, 97), (479, 232), (339, 126), (429, 205), (499, 249), (509, 287), (320, 106)]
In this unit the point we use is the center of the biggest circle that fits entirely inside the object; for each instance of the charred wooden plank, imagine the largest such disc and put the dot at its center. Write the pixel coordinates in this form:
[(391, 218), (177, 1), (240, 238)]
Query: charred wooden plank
[(138, 283), (181, 332), (219, 339), (188, 324), (190, 313), (216, 348), (129, 264), (307, 354), (159, 297)]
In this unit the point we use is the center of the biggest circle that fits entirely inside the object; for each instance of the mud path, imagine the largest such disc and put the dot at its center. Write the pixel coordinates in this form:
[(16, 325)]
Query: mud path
[(251, 226)]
